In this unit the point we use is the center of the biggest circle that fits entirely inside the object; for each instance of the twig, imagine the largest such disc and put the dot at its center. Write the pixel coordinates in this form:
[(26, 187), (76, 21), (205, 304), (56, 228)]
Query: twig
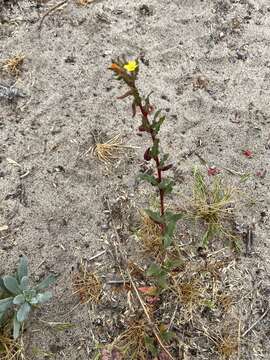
[(173, 316), (239, 339), (97, 255), (256, 322), (50, 11)]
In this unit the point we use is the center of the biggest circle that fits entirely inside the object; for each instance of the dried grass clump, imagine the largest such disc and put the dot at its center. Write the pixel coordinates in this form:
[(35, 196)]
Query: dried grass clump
[(190, 293), (87, 285), (132, 342), (9, 348), (14, 65), (108, 151), (213, 205), (151, 236), (227, 347)]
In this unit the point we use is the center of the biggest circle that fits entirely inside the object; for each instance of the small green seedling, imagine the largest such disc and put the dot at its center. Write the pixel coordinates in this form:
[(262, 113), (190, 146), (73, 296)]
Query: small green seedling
[(18, 295)]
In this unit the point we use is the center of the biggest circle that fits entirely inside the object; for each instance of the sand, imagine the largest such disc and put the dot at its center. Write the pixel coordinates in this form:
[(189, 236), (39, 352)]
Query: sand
[(208, 65)]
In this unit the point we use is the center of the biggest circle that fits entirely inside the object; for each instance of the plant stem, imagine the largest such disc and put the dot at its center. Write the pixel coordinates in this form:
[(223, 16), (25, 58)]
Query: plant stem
[(157, 161)]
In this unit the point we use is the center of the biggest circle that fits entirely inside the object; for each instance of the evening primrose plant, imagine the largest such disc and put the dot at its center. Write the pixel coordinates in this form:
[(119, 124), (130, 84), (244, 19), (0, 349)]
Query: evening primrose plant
[(19, 297), (151, 121)]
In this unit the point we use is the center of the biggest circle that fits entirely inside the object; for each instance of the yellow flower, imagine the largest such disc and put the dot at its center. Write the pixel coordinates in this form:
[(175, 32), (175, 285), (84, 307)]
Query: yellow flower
[(131, 66)]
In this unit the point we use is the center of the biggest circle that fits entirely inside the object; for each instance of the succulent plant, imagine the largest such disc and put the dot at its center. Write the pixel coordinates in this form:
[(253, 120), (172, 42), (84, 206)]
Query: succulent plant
[(17, 294)]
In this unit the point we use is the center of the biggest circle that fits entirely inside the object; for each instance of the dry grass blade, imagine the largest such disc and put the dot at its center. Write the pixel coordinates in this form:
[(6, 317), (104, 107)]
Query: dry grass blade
[(14, 65), (87, 285), (84, 2)]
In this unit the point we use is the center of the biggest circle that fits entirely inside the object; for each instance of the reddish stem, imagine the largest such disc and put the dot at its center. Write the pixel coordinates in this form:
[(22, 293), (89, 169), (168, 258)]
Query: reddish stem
[(157, 161)]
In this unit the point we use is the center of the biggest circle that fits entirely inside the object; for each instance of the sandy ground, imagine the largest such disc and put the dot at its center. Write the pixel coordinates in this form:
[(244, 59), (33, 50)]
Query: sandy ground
[(208, 65)]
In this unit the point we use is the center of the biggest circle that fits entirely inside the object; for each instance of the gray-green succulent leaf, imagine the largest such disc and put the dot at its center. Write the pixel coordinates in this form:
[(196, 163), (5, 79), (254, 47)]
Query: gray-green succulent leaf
[(22, 268), (46, 282), (19, 299), (5, 304), (11, 284), (44, 297), (23, 312), (16, 327), (24, 284)]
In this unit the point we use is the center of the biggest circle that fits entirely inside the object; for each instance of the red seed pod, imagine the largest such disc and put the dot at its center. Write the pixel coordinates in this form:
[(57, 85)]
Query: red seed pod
[(147, 155), (166, 167), (142, 128)]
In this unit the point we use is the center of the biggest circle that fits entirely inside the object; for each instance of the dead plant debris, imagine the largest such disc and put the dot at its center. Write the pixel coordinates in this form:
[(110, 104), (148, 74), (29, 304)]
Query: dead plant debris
[(87, 285), (13, 66)]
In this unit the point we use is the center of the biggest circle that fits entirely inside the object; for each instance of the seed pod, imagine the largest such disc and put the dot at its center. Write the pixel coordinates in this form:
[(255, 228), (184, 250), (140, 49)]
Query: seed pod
[(166, 167), (142, 128), (147, 155)]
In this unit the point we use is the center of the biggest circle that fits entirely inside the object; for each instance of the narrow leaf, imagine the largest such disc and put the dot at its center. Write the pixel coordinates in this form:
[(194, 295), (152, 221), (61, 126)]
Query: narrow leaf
[(155, 148), (155, 216), (169, 230), (11, 284), (157, 114), (149, 178), (46, 282), (128, 93)]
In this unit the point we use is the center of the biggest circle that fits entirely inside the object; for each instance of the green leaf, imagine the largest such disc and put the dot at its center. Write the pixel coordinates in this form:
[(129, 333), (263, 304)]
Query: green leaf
[(163, 159), (46, 282), (42, 298), (11, 284), (155, 148), (166, 185), (154, 270), (169, 230), (155, 216), (150, 346), (157, 114), (23, 312), (19, 299), (16, 327), (170, 216), (167, 336), (162, 281), (22, 268), (170, 264), (5, 304), (149, 178), (156, 125), (24, 283)]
